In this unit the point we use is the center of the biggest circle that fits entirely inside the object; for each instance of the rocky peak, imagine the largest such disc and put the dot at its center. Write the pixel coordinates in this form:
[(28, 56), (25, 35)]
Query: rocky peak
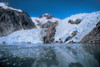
[(47, 15)]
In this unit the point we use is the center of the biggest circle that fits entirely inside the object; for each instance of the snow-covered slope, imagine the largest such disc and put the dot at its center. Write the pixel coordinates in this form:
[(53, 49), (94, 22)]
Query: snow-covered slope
[(6, 6), (65, 29), (24, 36), (44, 19)]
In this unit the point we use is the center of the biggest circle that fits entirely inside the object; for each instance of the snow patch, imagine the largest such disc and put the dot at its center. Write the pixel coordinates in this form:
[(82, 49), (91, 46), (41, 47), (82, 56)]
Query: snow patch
[(4, 5)]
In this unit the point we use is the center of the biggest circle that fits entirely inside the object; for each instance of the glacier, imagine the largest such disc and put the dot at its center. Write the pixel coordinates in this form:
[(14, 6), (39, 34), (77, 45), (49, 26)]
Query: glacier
[(24, 36), (65, 29)]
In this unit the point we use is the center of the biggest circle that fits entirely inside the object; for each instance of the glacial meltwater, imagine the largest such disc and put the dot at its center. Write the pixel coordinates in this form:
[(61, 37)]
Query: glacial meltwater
[(50, 55)]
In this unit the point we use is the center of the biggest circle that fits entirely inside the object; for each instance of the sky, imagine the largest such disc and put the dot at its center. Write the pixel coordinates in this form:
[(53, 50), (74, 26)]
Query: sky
[(58, 8)]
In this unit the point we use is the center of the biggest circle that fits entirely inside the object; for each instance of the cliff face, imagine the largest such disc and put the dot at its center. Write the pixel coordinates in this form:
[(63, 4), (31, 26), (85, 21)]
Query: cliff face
[(93, 36), (50, 32), (13, 20)]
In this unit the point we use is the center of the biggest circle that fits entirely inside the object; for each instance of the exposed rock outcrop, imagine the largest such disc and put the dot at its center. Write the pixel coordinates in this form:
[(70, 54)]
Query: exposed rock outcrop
[(45, 20), (13, 20), (93, 36), (48, 24), (71, 36), (77, 21), (50, 32), (48, 16)]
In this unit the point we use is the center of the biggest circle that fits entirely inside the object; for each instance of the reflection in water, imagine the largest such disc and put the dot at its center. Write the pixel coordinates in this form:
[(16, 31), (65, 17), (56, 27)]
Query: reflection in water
[(50, 55), (94, 49)]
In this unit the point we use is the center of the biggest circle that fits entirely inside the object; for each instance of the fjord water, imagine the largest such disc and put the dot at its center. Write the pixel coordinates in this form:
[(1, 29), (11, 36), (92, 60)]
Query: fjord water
[(49, 55)]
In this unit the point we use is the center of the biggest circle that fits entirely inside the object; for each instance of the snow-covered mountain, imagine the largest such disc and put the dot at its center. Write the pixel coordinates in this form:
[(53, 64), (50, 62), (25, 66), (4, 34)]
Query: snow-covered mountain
[(45, 18), (69, 31)]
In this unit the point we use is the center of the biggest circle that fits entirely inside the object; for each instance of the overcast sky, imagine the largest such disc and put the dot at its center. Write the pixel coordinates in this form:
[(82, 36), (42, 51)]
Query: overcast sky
[(58, 8)]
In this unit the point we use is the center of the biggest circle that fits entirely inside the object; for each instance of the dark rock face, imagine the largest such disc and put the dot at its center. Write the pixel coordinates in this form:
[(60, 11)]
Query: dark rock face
[(13, 20), (93, 36), (48, 16), (50, 32), (70, 37), (77, 21)]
